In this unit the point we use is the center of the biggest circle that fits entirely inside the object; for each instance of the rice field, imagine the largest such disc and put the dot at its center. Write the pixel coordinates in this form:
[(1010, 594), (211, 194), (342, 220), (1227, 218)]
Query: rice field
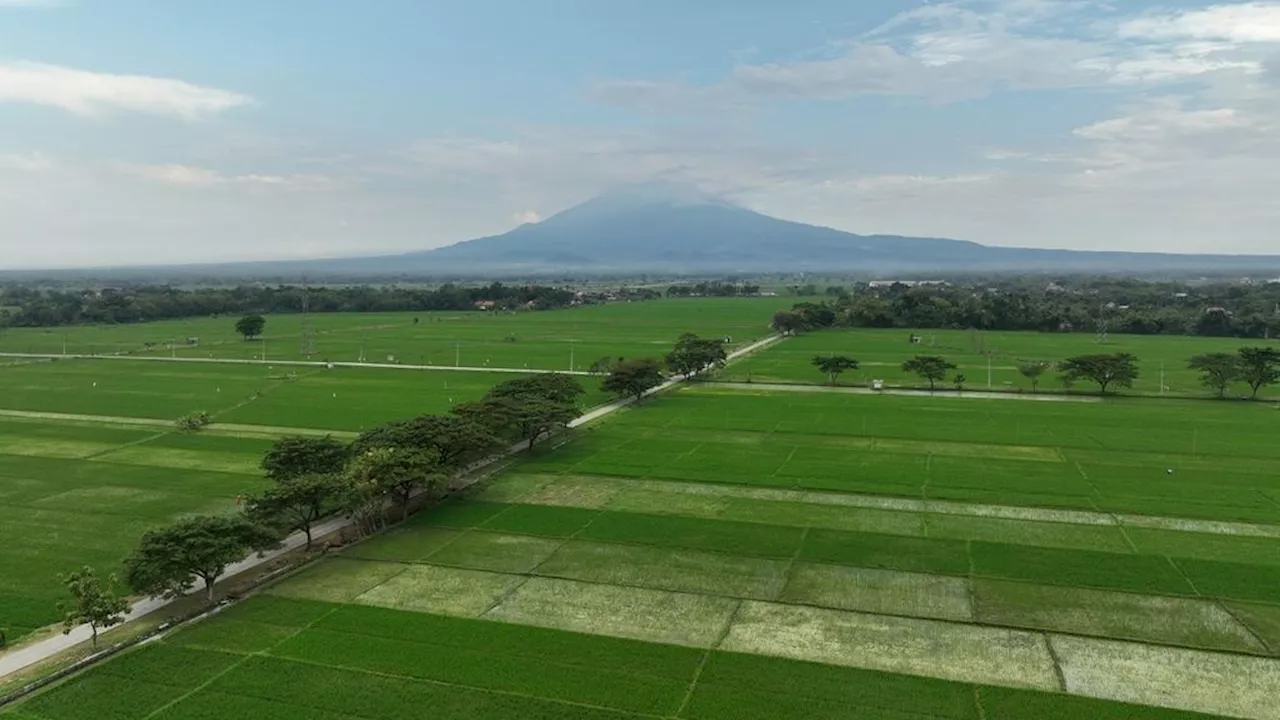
[(882, 352), (733, 553)]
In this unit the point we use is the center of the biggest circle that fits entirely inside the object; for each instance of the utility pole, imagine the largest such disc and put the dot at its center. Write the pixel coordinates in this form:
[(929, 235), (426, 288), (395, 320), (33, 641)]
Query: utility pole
[(308, 331), (988, 371), (64, 343), (570, 357), (457, 354), (1161, 377), (264, 349)]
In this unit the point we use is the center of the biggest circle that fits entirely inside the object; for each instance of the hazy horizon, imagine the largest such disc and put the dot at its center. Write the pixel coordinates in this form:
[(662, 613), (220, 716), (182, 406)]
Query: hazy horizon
[(140, 134)]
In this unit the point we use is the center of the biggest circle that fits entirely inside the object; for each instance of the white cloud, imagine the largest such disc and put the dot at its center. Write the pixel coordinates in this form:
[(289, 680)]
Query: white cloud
[(94, 94), (190, 176), (29, 162), (1252, 22), (525, 217), (27, 3)]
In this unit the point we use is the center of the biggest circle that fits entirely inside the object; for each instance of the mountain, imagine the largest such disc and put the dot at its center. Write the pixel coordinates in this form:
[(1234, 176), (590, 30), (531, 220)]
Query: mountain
[(666, 228), (671, 228)]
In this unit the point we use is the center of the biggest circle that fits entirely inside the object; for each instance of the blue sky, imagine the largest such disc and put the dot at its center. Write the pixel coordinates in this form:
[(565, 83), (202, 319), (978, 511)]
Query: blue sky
[(148, 132)]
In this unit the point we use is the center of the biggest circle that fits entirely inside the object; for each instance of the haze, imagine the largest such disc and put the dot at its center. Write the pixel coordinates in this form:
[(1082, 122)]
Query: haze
[(136, 132)]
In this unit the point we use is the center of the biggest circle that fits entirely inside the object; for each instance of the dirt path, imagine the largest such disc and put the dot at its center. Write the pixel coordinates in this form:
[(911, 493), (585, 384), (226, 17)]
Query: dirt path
[(296, 363), (213, 429), (840, 389)]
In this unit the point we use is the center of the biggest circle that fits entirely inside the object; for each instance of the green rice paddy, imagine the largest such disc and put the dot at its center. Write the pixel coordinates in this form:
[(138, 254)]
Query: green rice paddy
[(713, 554)]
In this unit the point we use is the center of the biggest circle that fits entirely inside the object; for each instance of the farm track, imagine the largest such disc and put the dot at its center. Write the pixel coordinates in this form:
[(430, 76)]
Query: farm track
[(27, 656), (839, 389), (300, 363), (234, 429)]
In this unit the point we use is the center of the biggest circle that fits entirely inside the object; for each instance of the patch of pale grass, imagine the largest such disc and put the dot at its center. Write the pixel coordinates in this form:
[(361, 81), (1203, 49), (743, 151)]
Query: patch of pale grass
[(405, 544), (1117, 615), (511, 487), (580, 492), (668, 569), (50, 448), (1074, 517), (1106, 538), (880, 591), (1215, 683), (668, 503), (968, 450), (1212, 527), (495, 551), (641, 614), (337, 579), (183, 459), (931, 648), (441, 590)]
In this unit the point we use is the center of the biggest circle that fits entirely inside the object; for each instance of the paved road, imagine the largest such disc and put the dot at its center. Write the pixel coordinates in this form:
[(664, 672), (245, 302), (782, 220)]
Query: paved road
[(15, 661), (297, 363)]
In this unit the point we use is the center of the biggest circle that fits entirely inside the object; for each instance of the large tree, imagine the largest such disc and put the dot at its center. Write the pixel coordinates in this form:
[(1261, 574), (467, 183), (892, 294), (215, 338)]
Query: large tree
[(1032, 371), (527, 408), (399, 472), (1106, 370), (458, 441), (1259, 367), (168, 560), (292, 457), (929, 367), (298, 502), (693, 355), (91, 604), (788, 322), (833, 365), (552, 386), (251, 326), (1217, 370), (634, 377)]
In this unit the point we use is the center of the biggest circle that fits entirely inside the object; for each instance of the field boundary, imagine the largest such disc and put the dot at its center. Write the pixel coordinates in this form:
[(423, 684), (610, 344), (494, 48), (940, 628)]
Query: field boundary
[(216, 428), (297, 363)]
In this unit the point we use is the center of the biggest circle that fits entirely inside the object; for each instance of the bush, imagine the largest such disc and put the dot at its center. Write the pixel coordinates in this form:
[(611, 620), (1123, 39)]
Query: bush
[(194, 421)]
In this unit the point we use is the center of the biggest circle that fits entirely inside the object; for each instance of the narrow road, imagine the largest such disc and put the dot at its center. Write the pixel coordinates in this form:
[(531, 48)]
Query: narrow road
[(297, 363), (17, 660)]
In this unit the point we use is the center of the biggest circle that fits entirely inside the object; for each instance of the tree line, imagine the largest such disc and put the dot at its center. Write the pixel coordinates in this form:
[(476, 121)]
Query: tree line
[(1255, 367), (22, 306), (1121, 306), (372, 480), (713, 289)]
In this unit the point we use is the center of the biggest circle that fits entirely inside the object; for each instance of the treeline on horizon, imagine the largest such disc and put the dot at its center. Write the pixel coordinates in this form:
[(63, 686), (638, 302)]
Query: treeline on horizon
[(1120, 305), (36, 307)]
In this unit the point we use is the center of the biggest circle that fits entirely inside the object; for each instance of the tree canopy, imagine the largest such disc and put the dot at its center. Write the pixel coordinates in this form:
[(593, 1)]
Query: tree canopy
[(91, 603), (1259, 367), (1217, 370), (251, 326), (168, 560), (693, 355), (929, 367), (458, 441), (834, 365), (634, 377), (292, 457), (1106, 370), (1032, 371), (527, 408), (399, 473), (297, 502)]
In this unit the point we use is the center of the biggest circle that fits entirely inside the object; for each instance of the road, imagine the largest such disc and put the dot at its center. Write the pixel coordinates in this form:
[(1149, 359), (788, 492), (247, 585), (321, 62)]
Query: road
[(25, 657), (975, 394)]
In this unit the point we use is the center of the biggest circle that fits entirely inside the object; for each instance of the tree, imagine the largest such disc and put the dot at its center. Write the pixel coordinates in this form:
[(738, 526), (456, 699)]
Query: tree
[(959, 380), (1259, 367), (834, 365), (1032, 371), (297, 502), (458, 441), (1106, 370), (693, 355), (251, 326), (399, 472), (91, 604), (634, 377), (168, 560), (604, 365), (551, 386), (788, 322), (526, 408), (1217, 370), (930, 367), (293, 457)]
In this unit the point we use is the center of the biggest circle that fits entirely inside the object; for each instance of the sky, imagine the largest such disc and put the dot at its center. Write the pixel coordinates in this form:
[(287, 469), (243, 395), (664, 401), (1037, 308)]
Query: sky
[(144, 132)]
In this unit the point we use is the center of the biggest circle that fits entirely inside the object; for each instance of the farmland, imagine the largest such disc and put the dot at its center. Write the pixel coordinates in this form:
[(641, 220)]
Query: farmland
[(719, 552), (882, 352)]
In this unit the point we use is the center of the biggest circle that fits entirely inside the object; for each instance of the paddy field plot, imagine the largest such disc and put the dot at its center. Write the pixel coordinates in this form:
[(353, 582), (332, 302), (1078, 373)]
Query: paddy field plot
[(280, 658), (76, 495), (882, 352), (565, 339)]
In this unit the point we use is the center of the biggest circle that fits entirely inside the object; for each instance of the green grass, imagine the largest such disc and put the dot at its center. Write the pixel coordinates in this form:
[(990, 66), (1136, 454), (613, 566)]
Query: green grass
[(882, 352)]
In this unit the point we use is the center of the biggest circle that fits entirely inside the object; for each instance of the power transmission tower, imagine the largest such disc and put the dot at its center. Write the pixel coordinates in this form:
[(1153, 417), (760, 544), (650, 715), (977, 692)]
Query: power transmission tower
[(1103, 325), (308, 338)]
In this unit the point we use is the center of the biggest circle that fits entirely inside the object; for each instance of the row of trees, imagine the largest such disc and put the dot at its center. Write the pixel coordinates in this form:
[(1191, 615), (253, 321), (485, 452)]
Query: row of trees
[(312, 478), (1124, 307), (713, 289), (1256, 367), (23, 306)]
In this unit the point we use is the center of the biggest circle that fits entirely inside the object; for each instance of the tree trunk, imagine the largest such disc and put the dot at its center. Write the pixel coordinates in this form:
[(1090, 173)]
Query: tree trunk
[(306, 529), (94, 629), (208, 587)]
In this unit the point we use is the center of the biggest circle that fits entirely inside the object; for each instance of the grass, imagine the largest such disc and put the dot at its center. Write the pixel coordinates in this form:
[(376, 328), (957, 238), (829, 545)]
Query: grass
[(348, 661), (882, 352)]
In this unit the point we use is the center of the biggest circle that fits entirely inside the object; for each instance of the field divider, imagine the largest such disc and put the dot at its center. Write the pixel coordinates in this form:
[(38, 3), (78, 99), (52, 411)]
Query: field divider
[(245, 658), (791, 564), (706, 657), (132, 443), (1271, 651), (1055, 660)]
